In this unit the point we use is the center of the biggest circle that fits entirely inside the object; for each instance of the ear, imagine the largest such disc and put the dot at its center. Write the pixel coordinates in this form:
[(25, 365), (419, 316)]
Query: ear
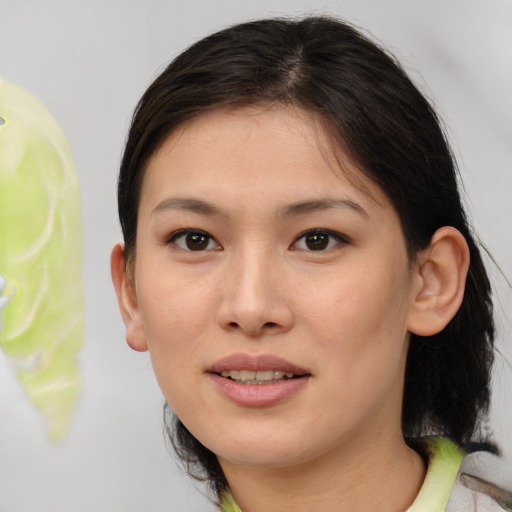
[(127, 300), (439, 282)]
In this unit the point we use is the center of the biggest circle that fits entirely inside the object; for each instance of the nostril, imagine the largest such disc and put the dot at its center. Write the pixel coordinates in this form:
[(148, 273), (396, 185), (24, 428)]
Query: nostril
[(266, 325)]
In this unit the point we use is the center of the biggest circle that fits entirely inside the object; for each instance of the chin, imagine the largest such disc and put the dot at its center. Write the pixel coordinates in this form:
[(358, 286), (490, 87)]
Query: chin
[(266, 451), (258, 458)]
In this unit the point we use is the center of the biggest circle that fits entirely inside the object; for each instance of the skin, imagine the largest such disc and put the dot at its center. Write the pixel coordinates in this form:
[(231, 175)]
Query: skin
[(343, 313)]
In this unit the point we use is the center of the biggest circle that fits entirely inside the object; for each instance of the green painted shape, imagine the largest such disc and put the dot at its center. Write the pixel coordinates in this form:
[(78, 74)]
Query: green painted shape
[(42, 318)]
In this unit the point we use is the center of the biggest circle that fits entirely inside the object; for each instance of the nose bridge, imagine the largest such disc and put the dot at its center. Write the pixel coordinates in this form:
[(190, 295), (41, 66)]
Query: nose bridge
[(253, 300), (251, 284)]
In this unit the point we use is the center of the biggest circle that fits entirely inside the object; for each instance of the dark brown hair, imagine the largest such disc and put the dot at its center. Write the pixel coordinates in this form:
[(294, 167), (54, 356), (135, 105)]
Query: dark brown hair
[(392, 133)]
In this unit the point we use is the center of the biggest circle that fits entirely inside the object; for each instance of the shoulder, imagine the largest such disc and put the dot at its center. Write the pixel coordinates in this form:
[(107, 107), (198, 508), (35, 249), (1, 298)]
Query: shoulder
[(483, 484)]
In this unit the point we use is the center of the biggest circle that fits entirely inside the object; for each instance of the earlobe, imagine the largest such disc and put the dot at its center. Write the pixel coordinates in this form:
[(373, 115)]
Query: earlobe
[(127, 300), (440, 279)]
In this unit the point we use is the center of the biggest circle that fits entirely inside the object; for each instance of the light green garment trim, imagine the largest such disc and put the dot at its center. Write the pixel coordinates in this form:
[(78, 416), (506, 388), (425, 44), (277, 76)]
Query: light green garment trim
[(41, 297), (445, 459), (228, 504)]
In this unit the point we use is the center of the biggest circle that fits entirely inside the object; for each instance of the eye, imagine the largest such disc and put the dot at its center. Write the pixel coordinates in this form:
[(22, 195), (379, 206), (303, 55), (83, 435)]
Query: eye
[(2, 121), (193, 240), (319, 240)]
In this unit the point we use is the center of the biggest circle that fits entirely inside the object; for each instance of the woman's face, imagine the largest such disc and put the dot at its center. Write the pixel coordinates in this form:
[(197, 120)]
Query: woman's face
[(273, 293)]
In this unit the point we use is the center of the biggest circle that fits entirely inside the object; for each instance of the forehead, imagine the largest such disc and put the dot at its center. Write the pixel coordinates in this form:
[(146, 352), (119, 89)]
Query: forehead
[(250, 147)]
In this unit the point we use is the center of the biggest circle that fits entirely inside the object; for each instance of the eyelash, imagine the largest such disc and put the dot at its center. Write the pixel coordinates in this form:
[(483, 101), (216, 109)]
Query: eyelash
[(331, 235), (183, 233)]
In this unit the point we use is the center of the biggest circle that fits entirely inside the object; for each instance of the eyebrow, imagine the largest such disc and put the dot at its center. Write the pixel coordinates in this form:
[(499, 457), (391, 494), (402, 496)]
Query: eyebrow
[(189, 204), (305, 207), (292, 210)]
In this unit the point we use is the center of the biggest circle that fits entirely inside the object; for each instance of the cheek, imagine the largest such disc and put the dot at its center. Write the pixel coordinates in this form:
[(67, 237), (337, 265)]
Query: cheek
[(359, 319), (175, 317), (365, 301), (171, 303)]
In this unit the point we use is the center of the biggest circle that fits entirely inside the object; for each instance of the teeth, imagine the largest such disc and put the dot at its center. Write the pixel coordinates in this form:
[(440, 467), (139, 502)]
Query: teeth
[(254, 377), (247, 375)]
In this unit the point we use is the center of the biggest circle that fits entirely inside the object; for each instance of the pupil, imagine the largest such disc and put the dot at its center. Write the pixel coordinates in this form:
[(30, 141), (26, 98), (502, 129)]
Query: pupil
[(196, 241), (2, 121), (317, 241)]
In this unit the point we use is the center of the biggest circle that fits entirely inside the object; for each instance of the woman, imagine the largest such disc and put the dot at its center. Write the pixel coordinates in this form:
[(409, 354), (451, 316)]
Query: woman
[(297, 260)]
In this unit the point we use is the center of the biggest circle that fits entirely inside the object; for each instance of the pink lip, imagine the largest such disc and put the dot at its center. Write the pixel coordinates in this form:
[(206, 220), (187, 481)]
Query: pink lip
[(257, 395), (259, 362)]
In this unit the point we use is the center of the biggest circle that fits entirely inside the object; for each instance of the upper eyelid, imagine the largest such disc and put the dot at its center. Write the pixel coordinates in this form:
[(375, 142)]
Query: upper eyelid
[(185, 231), (330, 232), (341, 241)]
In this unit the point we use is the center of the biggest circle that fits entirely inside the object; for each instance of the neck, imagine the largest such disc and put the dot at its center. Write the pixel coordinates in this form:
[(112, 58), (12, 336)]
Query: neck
[(384, 475)]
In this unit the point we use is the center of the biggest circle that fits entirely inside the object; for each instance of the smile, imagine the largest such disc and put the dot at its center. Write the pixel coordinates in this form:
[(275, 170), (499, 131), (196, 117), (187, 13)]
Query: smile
[(257, 377), (261, 380)]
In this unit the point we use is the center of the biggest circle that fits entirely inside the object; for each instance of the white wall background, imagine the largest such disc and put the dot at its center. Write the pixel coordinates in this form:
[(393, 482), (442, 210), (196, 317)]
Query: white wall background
[(89, 61)]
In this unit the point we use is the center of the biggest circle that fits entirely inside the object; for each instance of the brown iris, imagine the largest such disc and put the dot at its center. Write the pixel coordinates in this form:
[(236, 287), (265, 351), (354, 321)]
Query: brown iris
[(197, 241), (317, 241)]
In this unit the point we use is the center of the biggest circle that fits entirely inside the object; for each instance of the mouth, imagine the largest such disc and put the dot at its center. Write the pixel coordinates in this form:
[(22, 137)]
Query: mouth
[(262, 369), (260, 377), (261, 380)]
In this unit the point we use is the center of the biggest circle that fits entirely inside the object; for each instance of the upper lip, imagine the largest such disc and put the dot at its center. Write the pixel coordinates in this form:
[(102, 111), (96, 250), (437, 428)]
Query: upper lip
[(259, 362)]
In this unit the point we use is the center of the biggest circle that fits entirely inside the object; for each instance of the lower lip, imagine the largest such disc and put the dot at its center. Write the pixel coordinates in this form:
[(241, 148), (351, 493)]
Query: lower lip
[(259, 395)]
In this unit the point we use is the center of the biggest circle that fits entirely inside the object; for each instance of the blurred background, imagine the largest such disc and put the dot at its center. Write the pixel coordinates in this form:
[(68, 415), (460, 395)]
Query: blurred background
[(89, 61)]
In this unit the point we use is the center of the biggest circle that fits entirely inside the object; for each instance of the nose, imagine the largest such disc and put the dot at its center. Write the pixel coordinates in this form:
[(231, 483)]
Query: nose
[(254, 298)]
